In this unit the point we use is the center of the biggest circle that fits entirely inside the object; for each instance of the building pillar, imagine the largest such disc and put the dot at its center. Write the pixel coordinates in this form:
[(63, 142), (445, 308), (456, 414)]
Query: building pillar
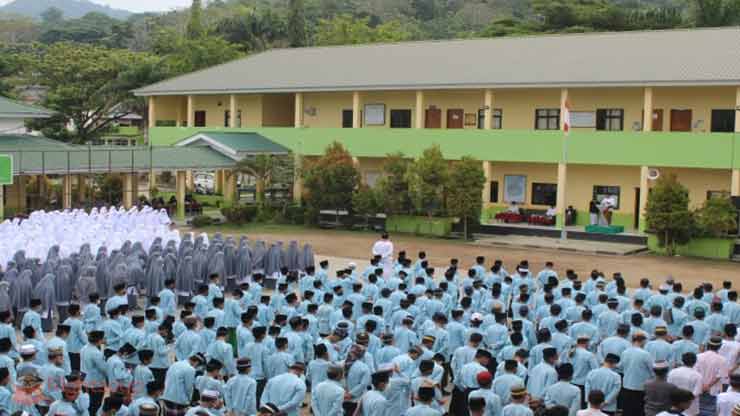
[(189, 180), (561, 199), (22, 205), (644, 192), (488, 174), (191, 112), (564, 97), (2, 202), (647, 108), (488, 109), (178, 113), (152, 112), (67, 192), (419, 109), (218, 181), (128, 191), (229, 186), (180, 194), (356, 105), (735, 183), (232, 111), (152, 181), (135, 187), (298, 115), (298, 179), (81, 188)]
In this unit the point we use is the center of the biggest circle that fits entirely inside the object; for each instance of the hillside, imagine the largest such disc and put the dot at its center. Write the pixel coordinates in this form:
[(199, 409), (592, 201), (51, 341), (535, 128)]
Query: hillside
[(72, 8)]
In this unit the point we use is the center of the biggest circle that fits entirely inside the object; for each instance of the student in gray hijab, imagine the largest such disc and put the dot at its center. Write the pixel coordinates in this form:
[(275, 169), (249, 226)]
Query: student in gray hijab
[(200, 264), (118, 275), (155, 277), (258, 256), (102, 277), (63, 290), (229, 269), (86, 284), (217, 266), (243, 264), (273, 260), (307, 257), (185, 281), (170, 267), (293, 256), (21, 292), (5, 302), (136, 278), (46, 292)]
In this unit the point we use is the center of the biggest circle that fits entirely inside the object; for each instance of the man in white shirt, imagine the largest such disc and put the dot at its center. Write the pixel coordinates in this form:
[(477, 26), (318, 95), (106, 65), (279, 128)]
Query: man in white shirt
[(384, 249), (713, 368), (730, 349), (685, 377), (729, 402)]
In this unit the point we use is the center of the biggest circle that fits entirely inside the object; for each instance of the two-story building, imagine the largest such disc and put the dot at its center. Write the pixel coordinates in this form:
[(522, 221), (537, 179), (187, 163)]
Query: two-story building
[(642, 104)]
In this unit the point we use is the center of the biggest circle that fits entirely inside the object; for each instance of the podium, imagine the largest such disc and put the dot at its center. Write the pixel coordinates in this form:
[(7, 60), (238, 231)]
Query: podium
[(604, 229)]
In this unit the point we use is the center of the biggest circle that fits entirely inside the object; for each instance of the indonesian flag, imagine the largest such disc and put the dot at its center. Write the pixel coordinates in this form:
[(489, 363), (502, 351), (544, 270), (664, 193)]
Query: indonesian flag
[(566, 117)]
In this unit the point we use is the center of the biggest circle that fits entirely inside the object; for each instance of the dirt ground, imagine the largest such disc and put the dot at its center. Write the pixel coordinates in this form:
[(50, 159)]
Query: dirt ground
[(357, 245)]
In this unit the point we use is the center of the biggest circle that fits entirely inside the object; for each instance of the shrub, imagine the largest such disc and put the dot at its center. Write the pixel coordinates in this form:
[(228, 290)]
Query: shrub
[(201, 221), (668, 215), (716, 218), (295, 214), (239, 214)]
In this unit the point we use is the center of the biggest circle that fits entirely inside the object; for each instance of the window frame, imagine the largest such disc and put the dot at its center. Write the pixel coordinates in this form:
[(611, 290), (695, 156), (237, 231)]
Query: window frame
[(605, 116), (548, 117), (608, 188), (538, 198), (497, 114), (396, 111)]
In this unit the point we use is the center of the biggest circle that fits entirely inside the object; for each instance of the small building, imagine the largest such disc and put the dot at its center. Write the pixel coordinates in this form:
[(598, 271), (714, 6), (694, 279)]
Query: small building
[(14, 114)]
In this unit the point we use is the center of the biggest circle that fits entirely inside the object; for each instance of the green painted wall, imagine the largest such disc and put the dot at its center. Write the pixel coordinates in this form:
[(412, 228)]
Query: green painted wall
[(710, 248), (655, 149)]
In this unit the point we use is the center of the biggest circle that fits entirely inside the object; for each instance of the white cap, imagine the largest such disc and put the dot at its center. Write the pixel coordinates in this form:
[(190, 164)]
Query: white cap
[(476, 317), (209, 394), (386, 367), (27, 349), (352, 265)]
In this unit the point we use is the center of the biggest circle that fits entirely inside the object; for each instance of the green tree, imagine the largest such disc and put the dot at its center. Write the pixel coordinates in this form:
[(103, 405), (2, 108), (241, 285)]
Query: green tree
[(181, 55), (366, 202), (464, 198), (85, 82), (266, 170), (428, 178), (394, 185), (52, 16), (252, 29), (717, 217), (343, 30), (331, 180), (667, 213), (296, 24), (710, 13), (196, 29)]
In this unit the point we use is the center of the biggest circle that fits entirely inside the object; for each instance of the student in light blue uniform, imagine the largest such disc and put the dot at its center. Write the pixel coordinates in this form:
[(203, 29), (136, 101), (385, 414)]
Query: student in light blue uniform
[(659, 348), (607, 381), (222, 351), (58, 342), (503, 383), (563, 393), (543, 375), (583, 362), (287, 390), (373, 402), (161, 360), (493, 401), (189, 342), (152, 392), (69, 402), (180, 380), (119, 378), (517, 407), (77, 337), (91, 314), (32, 318), (7, 331), (240, 392), (327, 396), (168, 299), (142, 374), (280, 361), (683, 345), (424, 402), (637, 365), (92, 364)]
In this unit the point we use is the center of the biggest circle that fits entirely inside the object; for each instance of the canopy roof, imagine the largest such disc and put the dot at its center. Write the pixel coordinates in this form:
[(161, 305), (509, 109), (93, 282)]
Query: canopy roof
[(235, 145), (15, 109)]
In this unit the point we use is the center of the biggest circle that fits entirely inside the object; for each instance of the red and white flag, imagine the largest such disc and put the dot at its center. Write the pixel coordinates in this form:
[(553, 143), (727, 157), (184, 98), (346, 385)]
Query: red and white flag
[(566, 117)]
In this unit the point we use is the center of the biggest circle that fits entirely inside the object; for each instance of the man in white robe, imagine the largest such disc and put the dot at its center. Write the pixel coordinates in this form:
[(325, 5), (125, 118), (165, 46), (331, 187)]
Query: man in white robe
[(384, 249)]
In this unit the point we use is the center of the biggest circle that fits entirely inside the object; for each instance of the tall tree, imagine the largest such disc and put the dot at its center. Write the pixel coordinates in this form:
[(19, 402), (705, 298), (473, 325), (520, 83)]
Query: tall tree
[(667, 213), (394, 185), (331, 180), (464, 199), (52, 16), (195, 29), (428, 179), (296, 24), (716, 12), (85, 82)]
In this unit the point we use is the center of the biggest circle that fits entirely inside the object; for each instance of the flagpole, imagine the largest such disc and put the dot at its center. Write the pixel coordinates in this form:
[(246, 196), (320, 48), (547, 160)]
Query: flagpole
[(566, 131)]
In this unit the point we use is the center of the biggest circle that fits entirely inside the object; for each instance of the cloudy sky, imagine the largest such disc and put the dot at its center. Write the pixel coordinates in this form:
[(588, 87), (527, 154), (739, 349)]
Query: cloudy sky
[(138, 5)]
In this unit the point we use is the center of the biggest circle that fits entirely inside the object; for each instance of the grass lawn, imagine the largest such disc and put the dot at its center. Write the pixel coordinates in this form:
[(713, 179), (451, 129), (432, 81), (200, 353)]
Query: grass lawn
[(210, 200), (257, 228)]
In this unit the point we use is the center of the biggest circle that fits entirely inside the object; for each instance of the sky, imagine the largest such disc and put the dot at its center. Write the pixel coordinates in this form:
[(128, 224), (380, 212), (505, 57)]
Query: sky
[(138, 5)]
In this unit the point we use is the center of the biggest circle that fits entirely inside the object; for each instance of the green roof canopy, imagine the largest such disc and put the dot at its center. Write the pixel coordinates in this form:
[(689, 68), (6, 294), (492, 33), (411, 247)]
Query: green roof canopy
[(34, 155), (14, 109), (235, 145)]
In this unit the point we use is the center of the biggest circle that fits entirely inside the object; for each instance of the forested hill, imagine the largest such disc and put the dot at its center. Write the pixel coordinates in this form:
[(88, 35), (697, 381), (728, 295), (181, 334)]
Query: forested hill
[(71, 9)]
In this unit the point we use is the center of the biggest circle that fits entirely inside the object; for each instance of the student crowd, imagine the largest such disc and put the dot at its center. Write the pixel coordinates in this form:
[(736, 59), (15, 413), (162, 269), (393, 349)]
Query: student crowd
[(396, 337)]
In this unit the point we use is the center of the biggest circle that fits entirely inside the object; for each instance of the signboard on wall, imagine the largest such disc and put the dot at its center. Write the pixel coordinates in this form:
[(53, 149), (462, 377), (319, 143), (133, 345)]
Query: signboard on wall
[(6, 169), (515, 188), (374, 114), (583, 119)]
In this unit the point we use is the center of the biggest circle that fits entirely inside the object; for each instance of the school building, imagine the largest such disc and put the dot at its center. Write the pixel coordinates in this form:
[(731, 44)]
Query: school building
[(642, 104)]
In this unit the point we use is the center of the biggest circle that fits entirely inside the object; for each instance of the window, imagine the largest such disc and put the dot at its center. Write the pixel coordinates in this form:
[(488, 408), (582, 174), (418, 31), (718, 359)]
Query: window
[(375, 114), (544, 193), (601, 192), (494, 192), (717, 194), (227, 118), (346, 119), (165, 123), (495, 120), (400, 119), (723, 121), (547, 119), (610, 119), (199, 119)]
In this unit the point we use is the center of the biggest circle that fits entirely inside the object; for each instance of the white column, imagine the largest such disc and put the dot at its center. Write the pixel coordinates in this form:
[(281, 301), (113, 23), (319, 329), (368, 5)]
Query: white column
[(647, 105), (356, 105), (644, 192), (152, 112), (419, 109), (191, 114), (298, 120), (561, 200), (563, 103), (487, 172), (488, 109)]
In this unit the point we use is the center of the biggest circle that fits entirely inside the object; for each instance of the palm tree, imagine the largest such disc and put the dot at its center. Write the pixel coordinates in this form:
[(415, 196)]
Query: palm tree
[(265, 169)]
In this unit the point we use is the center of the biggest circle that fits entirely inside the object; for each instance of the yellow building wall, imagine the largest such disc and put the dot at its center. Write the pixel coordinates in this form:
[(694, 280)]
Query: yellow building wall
[(518, 105), (251, 106), (393, 100), (700, 181), (701, 100), (591, 99), (324, 110), (278, 110), (166, 107)]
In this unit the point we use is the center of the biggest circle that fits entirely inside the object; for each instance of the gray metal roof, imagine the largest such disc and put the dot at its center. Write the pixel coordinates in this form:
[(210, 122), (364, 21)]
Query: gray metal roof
[(671, 57), (15, 109)]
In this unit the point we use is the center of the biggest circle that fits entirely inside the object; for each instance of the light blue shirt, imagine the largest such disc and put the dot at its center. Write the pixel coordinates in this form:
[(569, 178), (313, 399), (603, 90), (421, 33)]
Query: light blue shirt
[(564, 394), (516, 409), (142, 376), (374, 403), (637, 365), (358, 379), (286, 391), (608, 382), (493, 402), (541, 377), (92, 363), (240, 395), (179, 382), (327, 398), (77, 337)]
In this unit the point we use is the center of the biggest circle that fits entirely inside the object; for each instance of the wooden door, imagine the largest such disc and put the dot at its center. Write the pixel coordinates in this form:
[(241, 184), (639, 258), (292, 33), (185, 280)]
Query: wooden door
[(433, 118), (680, 120), (658, 120), (200, 119), (455, 118)]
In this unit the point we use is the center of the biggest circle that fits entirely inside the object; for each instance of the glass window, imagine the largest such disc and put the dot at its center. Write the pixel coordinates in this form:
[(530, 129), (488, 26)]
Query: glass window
[(601, 192), (496, 121), (400, 119), (547, 119), (347, 119), (544, 193), (494, 192), (723, 121), (610, 119)]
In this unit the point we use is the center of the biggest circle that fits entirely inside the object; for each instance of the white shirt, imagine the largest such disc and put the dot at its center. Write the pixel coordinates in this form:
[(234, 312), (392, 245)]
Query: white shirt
[(688, 379), (383, 248), (726, 402), (590, 412), (730, 350), (713, 368)]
